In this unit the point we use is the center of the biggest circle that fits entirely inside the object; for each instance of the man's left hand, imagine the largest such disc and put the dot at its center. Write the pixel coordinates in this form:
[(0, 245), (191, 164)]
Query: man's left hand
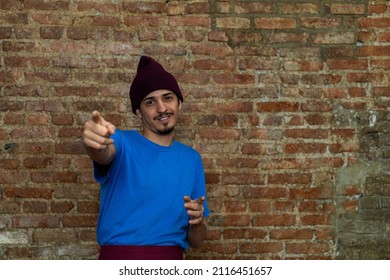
[(195, 209)]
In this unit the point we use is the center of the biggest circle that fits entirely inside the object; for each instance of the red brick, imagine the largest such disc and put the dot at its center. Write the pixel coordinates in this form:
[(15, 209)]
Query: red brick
[(243, 233), (198, 21), (315, 163), (257, 149), (25, 192), (136, 21), (274, 220), (277, 107), (261, 247), (316, 106), (53, 177), (230, 220), (233, 22), (70, 147), (234, 206), (88, 207), (12, 176), (300, 8), (254, 8), (9, 164), (51, 32), (213, 51), (232, 134), (215, 64), (62, 119), (306, 148), (374, 23), (307, 133), (61, 206), (227, 107), (308, 248), (242, 178), (34, 207), (227, 249), (311, 193), (237, 162), (33, 148), (377, 8), (41, 221), (261, 206), (283, 163), (37, 119), (197, 8), (320, 22), (287, 178), (285, 206), (315, 219), (264, 192), (374, 51), (337, 64), (315, 79), (43, 5), (79, 221), (275, 23), (347, 9), (294, 234)]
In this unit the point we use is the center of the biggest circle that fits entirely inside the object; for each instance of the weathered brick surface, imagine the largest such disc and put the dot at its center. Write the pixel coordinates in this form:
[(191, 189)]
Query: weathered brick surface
[(287, 101)]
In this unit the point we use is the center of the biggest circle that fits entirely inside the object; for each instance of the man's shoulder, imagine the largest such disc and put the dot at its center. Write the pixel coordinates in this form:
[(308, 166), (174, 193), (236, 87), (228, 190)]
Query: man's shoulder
[(186, 148)]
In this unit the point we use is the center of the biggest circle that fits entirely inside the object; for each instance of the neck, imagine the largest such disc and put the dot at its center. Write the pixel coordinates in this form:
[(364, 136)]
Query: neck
[(162, 140)]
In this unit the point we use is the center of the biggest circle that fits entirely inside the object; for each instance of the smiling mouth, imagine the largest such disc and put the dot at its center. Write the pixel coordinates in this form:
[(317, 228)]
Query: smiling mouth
[(163, 118)]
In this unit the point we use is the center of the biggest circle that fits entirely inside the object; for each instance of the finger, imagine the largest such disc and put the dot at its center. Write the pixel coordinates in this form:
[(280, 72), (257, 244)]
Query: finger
[(111, 128), (96, 117), (98, 129), (187, 199), (195, 213), (195, 217), (90, 137), (94, 145), (200, 200), (196, 221)]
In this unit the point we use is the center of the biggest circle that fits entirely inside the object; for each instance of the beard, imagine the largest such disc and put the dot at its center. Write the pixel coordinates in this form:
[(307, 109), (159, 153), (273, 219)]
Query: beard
[(166, 131)]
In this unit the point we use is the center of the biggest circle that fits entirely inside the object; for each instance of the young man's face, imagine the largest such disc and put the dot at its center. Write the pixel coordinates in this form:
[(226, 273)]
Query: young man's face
[(159, 111)]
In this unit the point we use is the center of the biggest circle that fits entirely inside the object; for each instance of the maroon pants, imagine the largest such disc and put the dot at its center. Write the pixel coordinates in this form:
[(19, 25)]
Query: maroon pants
[(124, 252)]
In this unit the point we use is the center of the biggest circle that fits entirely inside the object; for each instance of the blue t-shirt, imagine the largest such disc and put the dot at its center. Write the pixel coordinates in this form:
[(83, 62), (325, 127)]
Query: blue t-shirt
[(141, 194)]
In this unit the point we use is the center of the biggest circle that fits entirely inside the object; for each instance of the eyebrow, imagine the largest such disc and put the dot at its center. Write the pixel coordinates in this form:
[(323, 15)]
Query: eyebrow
[(152, 97)]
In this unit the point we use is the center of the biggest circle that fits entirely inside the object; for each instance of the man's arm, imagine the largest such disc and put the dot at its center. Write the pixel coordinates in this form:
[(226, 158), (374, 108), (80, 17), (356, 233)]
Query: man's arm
[(96, 139), (197, 229)]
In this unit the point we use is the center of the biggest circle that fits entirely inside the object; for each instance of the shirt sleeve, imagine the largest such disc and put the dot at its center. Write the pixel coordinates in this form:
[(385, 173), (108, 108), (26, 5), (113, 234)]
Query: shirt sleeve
[(200, 185), (101, 173)]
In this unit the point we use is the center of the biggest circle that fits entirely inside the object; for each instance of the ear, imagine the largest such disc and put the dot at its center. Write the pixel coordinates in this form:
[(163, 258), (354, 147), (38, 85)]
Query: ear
[(138, 112), (180, 103)]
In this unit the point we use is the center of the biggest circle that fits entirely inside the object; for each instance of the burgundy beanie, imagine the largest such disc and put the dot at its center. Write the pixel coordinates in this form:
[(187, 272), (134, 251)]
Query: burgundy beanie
[(151, 76)]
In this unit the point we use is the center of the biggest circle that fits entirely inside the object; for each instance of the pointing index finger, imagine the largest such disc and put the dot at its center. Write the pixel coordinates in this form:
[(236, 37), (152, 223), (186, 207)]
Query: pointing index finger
[(96, 117)]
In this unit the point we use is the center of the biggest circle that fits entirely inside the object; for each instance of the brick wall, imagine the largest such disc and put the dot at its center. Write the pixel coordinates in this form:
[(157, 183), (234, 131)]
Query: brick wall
[(286, 101)]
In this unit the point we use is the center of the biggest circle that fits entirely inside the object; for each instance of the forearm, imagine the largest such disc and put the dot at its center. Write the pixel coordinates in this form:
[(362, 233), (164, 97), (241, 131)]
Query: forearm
[(197, 234)]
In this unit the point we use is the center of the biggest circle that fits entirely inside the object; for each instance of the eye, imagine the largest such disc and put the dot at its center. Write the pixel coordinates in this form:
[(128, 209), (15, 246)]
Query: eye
[(149, 102), (169, 97)]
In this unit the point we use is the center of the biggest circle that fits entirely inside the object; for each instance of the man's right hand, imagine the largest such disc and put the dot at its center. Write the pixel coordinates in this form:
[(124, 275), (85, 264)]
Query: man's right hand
[(97, 131)]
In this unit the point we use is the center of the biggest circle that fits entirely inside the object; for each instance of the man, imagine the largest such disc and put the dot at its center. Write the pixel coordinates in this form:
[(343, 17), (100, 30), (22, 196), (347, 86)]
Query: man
[(152, 188)]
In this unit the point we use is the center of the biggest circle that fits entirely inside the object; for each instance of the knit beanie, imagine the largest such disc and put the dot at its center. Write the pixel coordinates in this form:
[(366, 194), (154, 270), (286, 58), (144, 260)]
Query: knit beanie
[(151, 76)]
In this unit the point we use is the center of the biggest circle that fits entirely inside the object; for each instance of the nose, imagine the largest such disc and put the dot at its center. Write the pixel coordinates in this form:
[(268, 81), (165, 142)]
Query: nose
[(161, 107)]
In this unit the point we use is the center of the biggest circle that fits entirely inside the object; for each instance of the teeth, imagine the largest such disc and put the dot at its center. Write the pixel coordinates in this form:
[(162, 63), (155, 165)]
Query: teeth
[(164, 118)]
